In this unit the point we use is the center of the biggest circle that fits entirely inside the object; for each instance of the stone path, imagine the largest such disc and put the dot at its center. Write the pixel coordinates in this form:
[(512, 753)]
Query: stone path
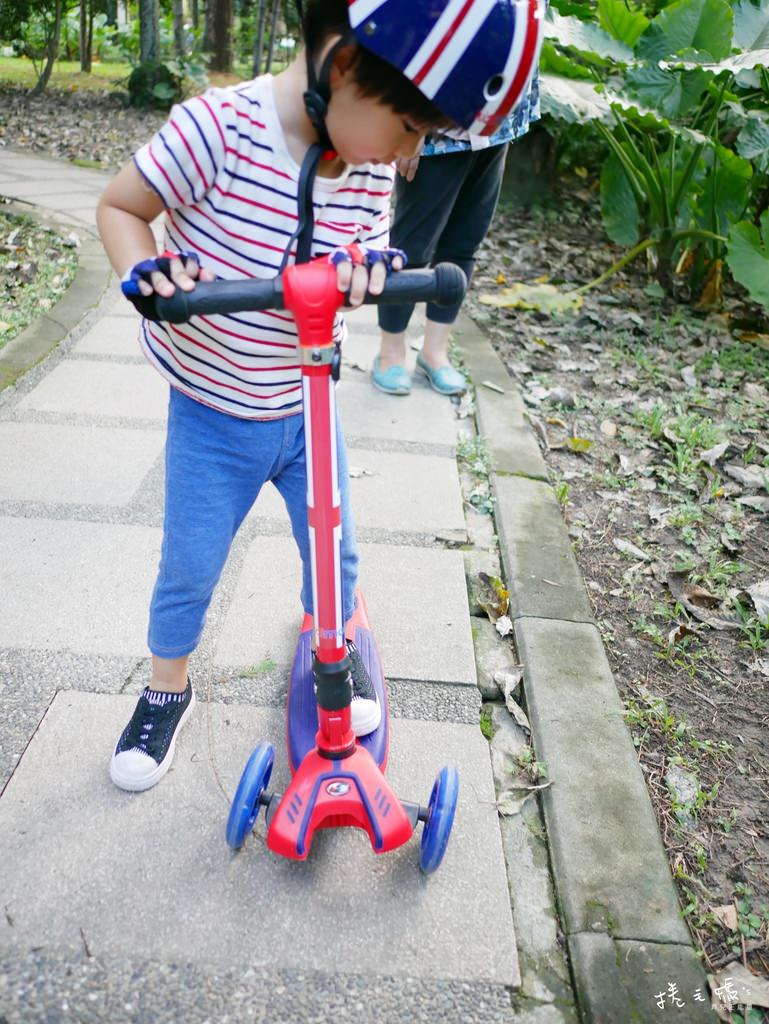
[(100, 886)]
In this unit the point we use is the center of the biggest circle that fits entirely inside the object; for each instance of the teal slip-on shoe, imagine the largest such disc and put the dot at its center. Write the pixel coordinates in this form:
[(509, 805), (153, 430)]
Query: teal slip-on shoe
[(445, 380), (395, 380)]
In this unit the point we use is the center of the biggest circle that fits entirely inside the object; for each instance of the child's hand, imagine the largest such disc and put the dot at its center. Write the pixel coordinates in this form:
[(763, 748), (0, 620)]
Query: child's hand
[(361, 270), (163, 275)]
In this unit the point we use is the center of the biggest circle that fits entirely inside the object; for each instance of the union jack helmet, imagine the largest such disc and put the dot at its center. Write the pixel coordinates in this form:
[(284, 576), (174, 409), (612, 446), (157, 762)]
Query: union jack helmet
[(472, 58)]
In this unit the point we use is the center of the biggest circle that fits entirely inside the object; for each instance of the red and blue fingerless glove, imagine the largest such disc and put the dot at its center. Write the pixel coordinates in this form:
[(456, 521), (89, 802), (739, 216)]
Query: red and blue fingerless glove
[(143, 272)]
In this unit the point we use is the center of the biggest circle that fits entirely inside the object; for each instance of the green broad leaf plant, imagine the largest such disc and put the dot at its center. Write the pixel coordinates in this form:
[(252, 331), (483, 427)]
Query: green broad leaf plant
[(680, 97)]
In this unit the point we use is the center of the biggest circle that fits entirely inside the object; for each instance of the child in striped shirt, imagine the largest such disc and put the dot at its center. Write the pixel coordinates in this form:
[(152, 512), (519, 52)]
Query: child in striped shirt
[(376, 75), (225, 169)]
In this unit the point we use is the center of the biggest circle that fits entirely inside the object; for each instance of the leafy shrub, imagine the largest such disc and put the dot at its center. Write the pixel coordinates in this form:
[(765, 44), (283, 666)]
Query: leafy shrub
[(682, 102), (154, 85)]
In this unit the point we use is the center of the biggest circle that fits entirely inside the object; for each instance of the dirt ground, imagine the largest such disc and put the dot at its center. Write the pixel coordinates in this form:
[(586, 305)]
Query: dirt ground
[(653, 420)]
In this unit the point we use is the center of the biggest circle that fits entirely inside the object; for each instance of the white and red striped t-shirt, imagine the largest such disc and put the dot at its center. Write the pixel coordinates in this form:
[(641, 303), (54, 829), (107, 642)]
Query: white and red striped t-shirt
[(223, 170)]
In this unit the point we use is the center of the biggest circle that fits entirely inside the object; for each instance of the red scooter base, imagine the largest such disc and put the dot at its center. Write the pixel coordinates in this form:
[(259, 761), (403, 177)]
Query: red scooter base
[(327, 793)]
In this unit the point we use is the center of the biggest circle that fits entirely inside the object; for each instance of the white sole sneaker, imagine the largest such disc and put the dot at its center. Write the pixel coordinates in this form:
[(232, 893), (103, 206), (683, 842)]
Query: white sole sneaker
[(125, 768)]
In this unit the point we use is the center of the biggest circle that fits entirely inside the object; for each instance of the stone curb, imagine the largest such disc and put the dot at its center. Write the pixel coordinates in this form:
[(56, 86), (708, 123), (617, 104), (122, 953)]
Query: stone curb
[(90, 282), (618, 905)]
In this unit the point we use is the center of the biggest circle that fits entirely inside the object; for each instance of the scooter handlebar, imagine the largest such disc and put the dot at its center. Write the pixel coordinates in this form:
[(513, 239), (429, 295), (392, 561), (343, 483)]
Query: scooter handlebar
[(444, 285)]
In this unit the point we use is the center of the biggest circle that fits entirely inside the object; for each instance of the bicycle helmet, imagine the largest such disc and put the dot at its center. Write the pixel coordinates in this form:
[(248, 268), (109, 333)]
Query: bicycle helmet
[(472, 58)]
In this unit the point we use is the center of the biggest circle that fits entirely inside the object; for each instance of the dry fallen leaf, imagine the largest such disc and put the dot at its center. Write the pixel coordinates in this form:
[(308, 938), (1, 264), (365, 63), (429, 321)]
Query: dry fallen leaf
[(700, 603), (511, 800), (630, 549), (727, 915), (751, 990), (712, 455), (545, 297), (748, 476), (504, 625), (517, 712), (493, 596), (578, 444), (759, 595)]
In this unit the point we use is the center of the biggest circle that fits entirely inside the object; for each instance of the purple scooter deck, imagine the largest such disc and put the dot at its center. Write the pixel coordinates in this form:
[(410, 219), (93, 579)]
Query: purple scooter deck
[(301, 708)]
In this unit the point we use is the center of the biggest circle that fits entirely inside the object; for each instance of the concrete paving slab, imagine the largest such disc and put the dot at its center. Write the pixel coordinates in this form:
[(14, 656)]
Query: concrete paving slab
[(83, 387), (86, 465), (80, 586), (540, 569), (79, 856), (44, 190), (416, 599), (622, 981), (423, 415), (112, 336), (610, 867), (394, 491)]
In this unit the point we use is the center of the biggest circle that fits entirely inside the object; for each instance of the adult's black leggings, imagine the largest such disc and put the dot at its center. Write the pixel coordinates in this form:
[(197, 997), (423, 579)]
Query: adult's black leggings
[(443, 215)]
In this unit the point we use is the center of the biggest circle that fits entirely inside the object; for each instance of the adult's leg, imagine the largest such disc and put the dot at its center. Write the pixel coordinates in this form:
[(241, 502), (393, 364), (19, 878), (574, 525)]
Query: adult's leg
[(469, 220), (422, 209)]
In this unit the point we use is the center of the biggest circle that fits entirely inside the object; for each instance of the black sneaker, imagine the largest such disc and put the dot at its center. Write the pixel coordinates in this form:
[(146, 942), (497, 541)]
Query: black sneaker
[(146, 748), (365, 711)]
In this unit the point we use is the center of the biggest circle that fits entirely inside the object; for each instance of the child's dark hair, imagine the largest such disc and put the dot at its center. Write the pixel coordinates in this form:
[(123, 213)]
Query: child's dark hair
[(375, 77)]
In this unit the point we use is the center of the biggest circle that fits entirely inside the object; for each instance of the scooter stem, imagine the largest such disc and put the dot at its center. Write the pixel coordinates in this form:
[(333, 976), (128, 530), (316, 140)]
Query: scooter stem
[(311, 294)]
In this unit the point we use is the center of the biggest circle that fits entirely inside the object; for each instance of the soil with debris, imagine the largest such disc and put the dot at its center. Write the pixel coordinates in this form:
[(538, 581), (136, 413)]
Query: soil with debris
[(93, 129), (37, 264), (652, 417)]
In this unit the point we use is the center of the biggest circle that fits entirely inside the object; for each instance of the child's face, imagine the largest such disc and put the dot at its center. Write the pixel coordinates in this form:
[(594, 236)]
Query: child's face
[(366, 131)]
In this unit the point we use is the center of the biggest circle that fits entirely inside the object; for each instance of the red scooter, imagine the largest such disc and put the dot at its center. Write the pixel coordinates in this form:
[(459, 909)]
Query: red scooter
[(336, 779)]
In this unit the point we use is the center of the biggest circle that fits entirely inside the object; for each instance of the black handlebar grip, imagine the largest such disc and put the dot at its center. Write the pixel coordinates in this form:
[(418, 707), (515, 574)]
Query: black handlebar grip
[(220, 297), (445, 285)]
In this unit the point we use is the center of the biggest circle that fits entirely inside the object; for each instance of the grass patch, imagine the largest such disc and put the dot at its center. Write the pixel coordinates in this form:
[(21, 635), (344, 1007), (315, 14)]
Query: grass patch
[(66, 74)]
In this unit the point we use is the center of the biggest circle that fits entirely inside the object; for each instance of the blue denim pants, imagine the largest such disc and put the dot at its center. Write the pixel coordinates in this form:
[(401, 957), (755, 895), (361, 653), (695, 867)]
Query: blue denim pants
[(215, 467)]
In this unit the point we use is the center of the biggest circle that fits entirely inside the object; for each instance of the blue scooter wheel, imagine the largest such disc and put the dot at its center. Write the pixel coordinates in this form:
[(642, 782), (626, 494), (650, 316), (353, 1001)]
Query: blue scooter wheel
[(440, 818), (245, 805)]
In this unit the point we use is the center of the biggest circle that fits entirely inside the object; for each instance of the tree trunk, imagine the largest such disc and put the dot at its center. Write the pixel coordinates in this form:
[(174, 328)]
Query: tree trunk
[(149, 31), (178, 9), (273, 26), (259, 37), (52, 51), (222, 56), (86, 23), (195, 10), (110, 9), (208, 27)]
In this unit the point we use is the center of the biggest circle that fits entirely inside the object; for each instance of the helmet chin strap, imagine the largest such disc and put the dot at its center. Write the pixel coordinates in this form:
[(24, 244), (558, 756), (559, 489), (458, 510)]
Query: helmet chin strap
[(316, 99)]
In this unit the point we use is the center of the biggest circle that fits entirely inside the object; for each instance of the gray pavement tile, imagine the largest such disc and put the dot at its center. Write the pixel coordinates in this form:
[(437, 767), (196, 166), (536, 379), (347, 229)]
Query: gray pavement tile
[(64, 987), (611, 869), (112, 336), (422, 416), (79, 858), (94, 388), (389, 491), (68, 201), (78, 586), (90, 465), (540, 569), (621, 981), (416, 599), (45, 190)]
